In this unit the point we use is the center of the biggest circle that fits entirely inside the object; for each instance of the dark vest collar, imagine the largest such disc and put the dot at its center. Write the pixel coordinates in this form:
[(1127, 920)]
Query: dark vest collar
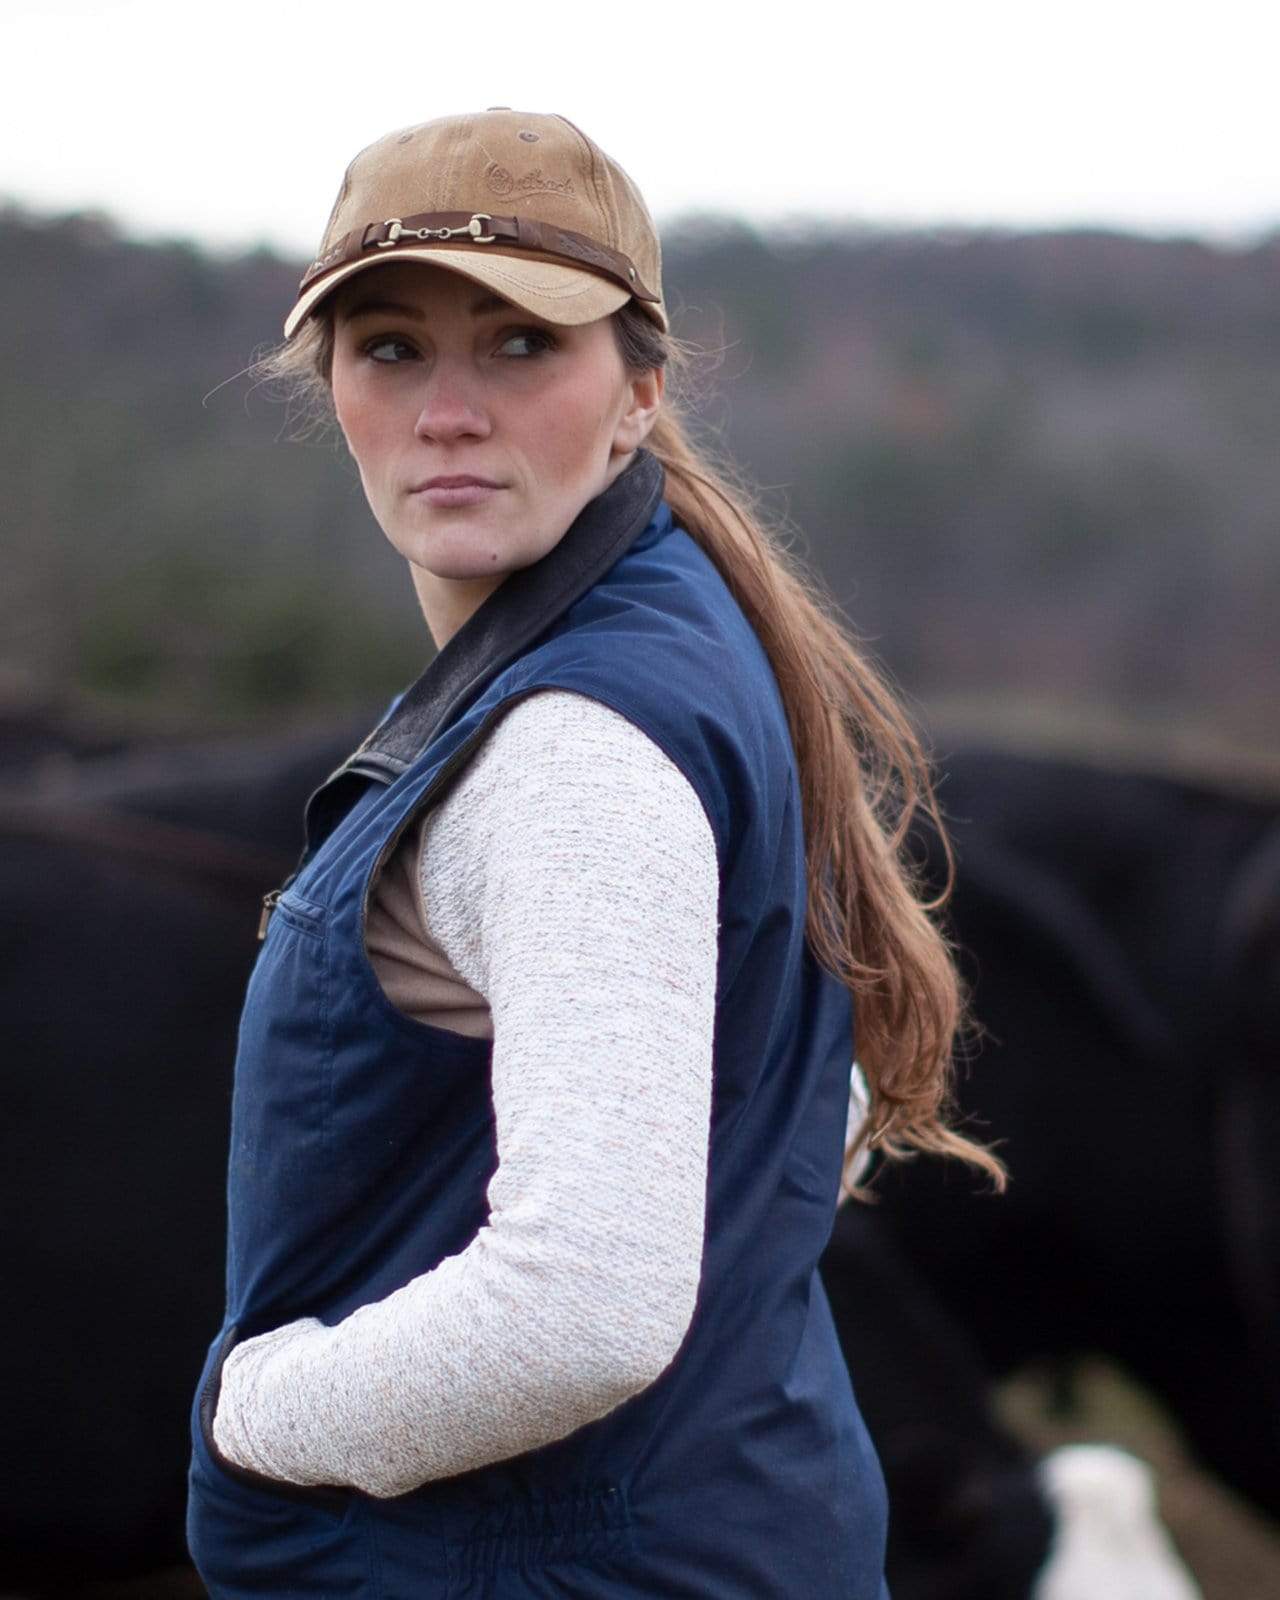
[(519, 609)]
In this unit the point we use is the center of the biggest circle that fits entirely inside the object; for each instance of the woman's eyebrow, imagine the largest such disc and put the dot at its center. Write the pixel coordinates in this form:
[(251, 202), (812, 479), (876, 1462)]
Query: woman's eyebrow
[(399, 308), (490, 302)]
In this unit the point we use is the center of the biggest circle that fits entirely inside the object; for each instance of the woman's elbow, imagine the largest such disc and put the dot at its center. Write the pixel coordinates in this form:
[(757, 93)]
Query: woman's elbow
[(640, 1335)]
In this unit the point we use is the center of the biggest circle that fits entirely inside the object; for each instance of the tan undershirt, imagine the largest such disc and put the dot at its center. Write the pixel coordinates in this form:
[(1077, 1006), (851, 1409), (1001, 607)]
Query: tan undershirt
[(415, 974)]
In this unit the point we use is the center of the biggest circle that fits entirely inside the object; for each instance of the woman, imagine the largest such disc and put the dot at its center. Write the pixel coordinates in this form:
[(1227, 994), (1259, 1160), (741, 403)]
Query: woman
[(543, 1084)]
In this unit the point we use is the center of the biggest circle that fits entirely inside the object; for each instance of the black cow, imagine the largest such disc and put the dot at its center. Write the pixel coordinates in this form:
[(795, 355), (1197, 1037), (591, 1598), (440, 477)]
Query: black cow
[(40, 738), (130, 903), (1121, 936), (969, 1518), (972, 1515)]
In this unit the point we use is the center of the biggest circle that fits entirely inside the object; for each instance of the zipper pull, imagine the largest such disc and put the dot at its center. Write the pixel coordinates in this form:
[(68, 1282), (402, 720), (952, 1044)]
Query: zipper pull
[(268, 906)]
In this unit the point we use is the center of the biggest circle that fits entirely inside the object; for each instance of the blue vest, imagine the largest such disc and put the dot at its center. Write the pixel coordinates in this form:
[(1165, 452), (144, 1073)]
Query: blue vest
[(362, 1144)]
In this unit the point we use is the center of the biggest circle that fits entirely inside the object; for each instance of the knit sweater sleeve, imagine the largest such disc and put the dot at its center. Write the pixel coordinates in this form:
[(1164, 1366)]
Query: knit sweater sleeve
[(571, 878)]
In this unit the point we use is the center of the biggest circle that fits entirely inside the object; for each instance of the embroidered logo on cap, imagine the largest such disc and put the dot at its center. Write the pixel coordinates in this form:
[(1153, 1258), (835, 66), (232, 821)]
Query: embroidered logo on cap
[(503, 181)]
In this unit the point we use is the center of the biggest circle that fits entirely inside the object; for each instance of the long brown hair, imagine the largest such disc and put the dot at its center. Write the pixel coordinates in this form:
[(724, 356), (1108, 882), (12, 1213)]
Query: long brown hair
[(863, 773)]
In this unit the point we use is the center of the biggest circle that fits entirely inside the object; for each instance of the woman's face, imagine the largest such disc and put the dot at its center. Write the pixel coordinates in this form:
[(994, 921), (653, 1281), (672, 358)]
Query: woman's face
[(480, 431)]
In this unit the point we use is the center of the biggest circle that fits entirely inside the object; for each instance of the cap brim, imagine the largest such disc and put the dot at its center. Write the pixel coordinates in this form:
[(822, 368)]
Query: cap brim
[(550, 291)]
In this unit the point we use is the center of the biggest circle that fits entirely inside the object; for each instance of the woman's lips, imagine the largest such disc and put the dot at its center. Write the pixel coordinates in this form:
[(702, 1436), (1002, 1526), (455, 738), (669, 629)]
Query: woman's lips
[(460, 491), (469, 494)]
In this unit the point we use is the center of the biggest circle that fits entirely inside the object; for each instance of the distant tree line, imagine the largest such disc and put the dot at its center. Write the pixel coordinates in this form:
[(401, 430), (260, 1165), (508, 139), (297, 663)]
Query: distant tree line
[(1040, 466)]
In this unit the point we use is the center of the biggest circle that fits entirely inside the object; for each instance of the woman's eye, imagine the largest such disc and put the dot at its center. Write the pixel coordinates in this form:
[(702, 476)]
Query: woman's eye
[(524, 343), (534, 341), (389, 350)]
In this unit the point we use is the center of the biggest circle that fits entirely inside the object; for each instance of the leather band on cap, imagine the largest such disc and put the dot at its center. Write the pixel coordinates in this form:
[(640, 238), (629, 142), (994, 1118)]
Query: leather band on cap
[(481, 230)]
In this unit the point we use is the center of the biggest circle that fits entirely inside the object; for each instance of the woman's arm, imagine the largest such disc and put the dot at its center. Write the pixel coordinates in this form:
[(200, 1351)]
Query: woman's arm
[(571, 878)]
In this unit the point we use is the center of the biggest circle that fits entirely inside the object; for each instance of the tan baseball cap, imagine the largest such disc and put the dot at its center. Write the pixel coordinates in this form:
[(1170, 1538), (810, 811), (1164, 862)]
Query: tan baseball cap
[(520, 201)]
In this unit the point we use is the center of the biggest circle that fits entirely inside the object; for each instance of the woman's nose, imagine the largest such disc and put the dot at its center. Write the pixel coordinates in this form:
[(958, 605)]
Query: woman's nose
[(450, 408)]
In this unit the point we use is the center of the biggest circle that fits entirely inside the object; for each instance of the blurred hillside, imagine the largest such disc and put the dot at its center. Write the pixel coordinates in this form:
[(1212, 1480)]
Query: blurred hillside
[(1037, 471)]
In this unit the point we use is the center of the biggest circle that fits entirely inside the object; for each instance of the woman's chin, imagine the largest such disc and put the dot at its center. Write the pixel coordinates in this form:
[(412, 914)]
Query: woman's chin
[(466, 570), (457, 554)]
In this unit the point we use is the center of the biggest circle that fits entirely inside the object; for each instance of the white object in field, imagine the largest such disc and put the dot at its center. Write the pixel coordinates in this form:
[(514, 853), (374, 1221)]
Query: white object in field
[(1110, 1543), (859, 1108)]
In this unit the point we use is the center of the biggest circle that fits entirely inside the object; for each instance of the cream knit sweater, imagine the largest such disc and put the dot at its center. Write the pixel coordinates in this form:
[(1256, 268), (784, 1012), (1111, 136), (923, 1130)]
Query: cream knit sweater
[(562, 899)]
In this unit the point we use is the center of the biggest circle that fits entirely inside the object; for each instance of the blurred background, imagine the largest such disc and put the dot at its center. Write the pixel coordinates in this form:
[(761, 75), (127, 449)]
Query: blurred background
[(990, 304)]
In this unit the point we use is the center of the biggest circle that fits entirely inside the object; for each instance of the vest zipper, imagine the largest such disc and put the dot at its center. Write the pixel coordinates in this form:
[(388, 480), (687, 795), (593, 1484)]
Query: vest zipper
[(268, 906)]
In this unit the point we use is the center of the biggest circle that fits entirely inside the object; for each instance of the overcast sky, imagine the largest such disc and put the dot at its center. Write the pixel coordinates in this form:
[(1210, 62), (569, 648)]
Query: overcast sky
[(231, 122)]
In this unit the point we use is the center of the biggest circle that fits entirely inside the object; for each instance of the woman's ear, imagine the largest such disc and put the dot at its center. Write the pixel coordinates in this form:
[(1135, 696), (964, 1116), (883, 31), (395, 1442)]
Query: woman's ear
[(644, 401)]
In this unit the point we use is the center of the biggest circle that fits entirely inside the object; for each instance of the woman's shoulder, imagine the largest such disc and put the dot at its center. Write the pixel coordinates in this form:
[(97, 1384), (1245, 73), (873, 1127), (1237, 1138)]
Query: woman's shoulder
[(564, 749), (566, 821)]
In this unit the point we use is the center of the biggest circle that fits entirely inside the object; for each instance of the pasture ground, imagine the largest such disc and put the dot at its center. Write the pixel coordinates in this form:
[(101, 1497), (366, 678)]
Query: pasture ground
[(1233, 1551)]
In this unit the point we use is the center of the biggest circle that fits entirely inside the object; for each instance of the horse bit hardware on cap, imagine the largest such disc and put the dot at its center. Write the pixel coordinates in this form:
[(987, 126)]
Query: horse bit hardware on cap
[(473, 230)]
